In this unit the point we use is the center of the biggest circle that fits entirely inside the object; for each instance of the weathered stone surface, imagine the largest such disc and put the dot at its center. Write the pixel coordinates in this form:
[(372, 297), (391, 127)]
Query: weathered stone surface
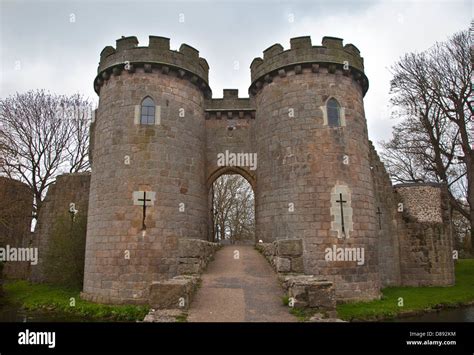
[(68, 188), (188, 266), (290, 247), (301, 159), (194, 254), (267, 249), (174, 293), (282, 264), (331, 318), (310, 291), (195, 248), (297, 265), (164, 315), (321, 295), (16, 203), (284, 255)]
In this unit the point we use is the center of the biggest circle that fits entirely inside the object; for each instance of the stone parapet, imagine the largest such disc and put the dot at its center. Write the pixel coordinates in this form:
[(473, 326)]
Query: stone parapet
[(230, 106), (194, 255), (128, 56), (285, 256), (332, 56)]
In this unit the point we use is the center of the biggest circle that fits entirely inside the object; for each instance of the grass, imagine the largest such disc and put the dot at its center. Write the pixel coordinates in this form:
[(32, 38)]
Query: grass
[(303, 314), (415, 299), (58, 299), (182, 318)]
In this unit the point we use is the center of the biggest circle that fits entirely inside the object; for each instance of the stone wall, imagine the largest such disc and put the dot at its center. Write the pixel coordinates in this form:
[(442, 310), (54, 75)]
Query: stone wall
[(194, 255), (414, 234), (386, 227), (68, 188), (285, 256), (302, 161), (307, 291), (16, 208), (308, 173), (304, 291), (229, 127), (167, 158), (177, 292), (426, 241)]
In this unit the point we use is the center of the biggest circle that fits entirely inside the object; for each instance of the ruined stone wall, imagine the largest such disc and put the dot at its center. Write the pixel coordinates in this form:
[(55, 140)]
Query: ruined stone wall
[(67, 189), (386, 215), (301, 161), (426, 242), (16, 205)]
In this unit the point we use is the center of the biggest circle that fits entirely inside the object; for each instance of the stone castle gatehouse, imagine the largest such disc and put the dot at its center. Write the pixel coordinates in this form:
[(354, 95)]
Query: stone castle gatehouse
[(156, 142)]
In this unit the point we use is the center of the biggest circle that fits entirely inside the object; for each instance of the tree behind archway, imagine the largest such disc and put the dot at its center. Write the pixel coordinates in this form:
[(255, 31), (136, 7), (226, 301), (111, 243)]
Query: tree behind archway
[(233, 208)]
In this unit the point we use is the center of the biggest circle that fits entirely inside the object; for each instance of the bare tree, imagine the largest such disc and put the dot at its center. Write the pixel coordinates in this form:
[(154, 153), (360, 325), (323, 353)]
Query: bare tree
[(431, 92), (233, 206), (43, 135)]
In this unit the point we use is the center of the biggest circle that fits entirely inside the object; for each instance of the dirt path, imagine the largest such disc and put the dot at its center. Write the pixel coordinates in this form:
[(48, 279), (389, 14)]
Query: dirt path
[(239, 286)]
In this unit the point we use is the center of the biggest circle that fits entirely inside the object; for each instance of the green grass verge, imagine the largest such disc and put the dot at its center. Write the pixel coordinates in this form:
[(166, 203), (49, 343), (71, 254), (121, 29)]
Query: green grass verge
[(415, 299), (182, 318), (303, 314), (58, 299)]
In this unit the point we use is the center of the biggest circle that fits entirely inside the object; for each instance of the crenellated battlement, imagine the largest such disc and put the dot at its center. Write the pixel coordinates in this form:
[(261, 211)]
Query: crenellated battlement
[(128, 56), (230, 106), (332, 55)]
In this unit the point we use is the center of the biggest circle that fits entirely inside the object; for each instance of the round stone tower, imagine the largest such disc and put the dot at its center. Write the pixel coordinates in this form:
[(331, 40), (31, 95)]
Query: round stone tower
[(313, 176), (148, 141)]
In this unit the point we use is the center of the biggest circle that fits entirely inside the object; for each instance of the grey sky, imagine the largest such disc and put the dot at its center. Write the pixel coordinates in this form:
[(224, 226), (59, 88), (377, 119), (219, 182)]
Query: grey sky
[(41, 47)]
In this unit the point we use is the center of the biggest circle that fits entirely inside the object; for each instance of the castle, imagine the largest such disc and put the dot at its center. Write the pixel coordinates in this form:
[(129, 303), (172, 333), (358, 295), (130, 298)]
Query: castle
[(156, 141)]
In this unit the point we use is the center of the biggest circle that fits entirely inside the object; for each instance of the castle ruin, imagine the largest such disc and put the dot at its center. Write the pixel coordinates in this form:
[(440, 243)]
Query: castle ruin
[(155, 143)]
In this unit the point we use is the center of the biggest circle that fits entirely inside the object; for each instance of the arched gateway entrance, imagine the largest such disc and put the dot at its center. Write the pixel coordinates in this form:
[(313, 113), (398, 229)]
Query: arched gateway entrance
[(231, 202)]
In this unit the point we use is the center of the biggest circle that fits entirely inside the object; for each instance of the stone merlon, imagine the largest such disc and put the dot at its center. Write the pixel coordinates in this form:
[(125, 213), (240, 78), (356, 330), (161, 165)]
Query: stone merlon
[(187, 64), (157, 55), (302, 53), (241, 107)]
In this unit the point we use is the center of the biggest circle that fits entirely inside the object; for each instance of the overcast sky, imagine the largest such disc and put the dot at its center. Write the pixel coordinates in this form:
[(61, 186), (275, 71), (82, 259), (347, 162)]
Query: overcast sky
[(56, 44)]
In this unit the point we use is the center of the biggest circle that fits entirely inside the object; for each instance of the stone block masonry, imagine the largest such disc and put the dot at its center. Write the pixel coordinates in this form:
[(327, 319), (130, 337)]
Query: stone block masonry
[(425, 236), (318, 183), (16, 204), (175, 293), (386, 224), (286, 256), (304, 291), (194, 255), (68, 188)]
